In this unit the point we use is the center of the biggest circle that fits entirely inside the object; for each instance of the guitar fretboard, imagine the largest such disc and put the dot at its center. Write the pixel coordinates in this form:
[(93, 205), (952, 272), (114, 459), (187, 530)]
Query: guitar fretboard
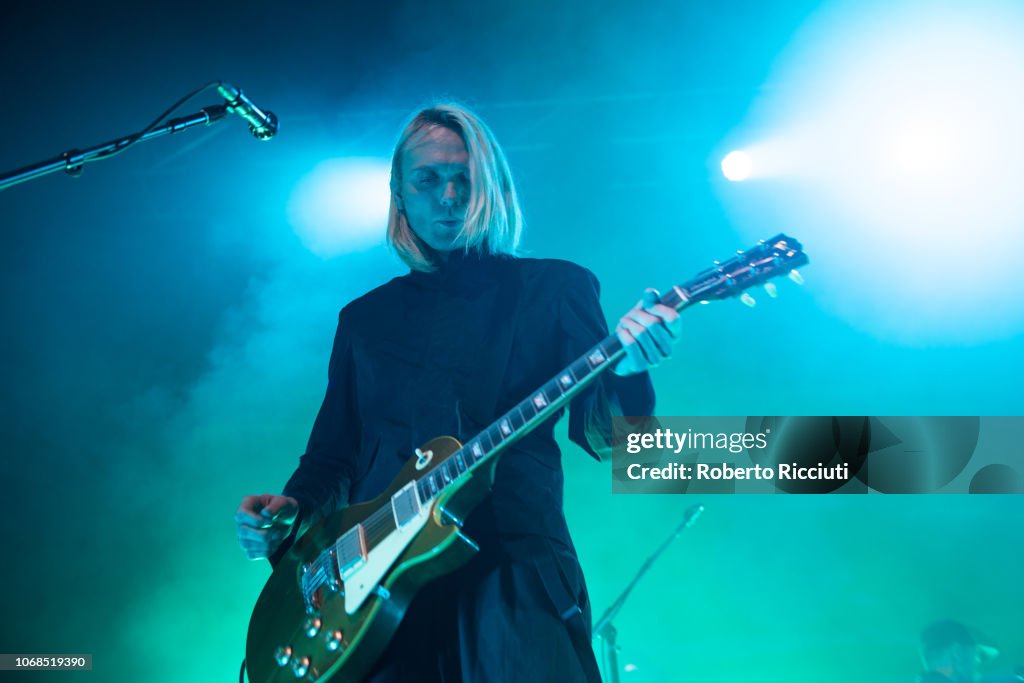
[(765, 261), (529, 413)]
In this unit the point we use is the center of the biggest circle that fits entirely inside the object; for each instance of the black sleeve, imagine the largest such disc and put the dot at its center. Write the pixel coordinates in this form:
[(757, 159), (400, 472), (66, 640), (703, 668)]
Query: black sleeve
[(583, 324), (327, 468)]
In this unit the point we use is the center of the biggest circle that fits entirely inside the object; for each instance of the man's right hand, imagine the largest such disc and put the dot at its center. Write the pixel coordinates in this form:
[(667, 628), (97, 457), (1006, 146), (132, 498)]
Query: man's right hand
[(264, 522)]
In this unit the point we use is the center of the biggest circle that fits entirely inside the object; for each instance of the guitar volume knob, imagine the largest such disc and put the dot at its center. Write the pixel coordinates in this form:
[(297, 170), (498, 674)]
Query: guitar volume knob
[(334, 639), (283, 655), (312, 626), (300, 667)]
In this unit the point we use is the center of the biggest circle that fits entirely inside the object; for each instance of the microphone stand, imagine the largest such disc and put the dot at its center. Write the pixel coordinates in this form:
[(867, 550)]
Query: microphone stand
[(604, 629), (72, 160)]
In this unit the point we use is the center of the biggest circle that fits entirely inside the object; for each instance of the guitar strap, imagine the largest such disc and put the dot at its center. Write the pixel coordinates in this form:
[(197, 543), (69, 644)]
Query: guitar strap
[(570, 613)]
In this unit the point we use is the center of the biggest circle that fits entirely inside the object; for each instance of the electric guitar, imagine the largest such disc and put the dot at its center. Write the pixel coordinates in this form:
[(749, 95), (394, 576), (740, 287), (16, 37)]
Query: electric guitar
[(337, 596)]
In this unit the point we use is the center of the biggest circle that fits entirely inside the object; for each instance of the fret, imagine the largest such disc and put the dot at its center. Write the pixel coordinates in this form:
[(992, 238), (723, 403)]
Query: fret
[(424, 493), (515, 418), (445, 474), (476, 450), (527, 410), (520, 417), (433, 484), (610, 346), (494, 434), (552, 388), (580, 369), (505, 425), (460, 461), (485, 441)]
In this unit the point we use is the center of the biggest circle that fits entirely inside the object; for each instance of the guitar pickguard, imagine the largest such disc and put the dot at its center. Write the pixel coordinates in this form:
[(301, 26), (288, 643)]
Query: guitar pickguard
[(362, 579)]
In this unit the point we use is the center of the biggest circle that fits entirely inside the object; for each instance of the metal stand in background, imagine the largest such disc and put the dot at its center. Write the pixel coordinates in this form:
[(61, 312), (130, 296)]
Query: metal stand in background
[(604, 628), (72, 161), (262, 124)]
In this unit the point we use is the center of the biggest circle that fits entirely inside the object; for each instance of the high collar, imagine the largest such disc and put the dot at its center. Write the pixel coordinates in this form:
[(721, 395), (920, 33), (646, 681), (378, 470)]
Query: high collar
[(461, 269)]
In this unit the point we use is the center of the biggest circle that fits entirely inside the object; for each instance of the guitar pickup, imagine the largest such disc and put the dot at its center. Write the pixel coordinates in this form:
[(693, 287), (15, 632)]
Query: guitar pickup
[(350, 550), (405, 504)]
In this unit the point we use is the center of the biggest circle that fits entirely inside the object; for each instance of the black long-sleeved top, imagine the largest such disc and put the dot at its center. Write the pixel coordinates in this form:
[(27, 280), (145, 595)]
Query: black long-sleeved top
[(428, 354)]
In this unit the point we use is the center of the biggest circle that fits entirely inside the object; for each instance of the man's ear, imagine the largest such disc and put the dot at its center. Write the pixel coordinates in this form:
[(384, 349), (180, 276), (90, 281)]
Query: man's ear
[(398, 202)]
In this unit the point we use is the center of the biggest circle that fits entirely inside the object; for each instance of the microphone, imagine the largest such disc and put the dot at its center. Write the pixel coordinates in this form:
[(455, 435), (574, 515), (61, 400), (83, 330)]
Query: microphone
[(262, 124)]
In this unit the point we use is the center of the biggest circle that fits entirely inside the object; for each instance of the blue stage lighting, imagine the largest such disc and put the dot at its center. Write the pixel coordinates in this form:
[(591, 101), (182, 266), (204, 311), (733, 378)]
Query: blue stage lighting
[(737, 166), (341, 206), (895, 147)]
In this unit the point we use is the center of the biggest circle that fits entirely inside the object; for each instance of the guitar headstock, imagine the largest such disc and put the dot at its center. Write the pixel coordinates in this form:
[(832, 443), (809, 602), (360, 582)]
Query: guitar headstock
[(771, 258)]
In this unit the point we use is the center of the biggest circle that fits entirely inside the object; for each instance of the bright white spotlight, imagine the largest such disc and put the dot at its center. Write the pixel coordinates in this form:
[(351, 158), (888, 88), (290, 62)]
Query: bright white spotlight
[(342, 206), (899, 123), (737, 166)]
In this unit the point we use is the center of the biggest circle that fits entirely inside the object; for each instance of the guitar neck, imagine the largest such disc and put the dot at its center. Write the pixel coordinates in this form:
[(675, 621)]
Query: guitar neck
[(767, 260), (529, 413)]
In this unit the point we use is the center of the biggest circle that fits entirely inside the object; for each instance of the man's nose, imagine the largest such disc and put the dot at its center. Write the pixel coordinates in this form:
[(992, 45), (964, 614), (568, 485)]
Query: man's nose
[(450, 196)]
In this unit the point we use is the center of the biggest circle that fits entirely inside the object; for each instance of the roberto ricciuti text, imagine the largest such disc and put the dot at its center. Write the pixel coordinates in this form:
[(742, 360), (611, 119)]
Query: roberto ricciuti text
[(725, 471)]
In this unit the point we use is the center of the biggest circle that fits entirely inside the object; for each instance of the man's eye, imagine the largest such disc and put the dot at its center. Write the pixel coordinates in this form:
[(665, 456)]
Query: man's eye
[(426, 179)]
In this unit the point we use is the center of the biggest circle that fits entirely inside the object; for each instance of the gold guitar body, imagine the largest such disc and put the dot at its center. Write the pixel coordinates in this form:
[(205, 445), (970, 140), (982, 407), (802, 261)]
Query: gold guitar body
[(291, 640)]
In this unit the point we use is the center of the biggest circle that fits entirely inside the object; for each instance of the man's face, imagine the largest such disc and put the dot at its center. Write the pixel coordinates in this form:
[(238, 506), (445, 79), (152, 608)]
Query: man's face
[(435, 187)]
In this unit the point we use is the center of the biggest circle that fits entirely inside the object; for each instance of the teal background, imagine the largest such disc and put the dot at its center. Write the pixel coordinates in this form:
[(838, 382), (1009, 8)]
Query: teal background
[(165, 333)]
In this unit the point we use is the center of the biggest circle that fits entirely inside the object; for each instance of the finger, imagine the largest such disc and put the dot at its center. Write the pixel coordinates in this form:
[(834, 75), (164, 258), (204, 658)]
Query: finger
[(261, 535), (654, 325), (254, 553), (262, 547), (251, 505), (257, 544), (669, 317), (662, 341), (245, 518), (653, 335), (649, 298), (635, 360), (640, 340), (280, 508), (659, 314)]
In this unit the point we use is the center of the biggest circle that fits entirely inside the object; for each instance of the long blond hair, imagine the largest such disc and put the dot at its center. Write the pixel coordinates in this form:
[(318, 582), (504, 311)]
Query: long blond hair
[(494, 222)]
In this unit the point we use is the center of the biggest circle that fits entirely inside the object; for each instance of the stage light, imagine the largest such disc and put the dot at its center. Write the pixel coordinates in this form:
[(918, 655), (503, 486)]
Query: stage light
[(737, 166), (341, 206), (894, 155)]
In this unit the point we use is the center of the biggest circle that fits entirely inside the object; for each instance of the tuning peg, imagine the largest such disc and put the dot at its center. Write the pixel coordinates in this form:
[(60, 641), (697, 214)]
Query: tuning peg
[(748, 300), (796, 277), (771, 290)]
